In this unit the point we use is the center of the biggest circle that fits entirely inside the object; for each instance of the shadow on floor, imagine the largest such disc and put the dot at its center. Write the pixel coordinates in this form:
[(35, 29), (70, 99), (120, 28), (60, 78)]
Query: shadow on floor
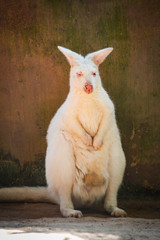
[(149, 209)]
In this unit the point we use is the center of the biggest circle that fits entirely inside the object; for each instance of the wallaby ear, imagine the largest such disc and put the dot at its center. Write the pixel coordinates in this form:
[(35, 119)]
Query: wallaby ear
[(72, 57), (99, 56)]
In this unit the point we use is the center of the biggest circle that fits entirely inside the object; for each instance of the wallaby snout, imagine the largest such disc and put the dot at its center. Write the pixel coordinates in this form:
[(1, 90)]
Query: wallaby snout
[(88, 88)]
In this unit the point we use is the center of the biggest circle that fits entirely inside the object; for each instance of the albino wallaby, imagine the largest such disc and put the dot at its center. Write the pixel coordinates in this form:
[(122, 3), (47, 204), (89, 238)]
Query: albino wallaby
[(84, 160)]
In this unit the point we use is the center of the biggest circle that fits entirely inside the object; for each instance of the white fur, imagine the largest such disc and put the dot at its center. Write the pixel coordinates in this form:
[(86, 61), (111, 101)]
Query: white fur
[(84, 160)]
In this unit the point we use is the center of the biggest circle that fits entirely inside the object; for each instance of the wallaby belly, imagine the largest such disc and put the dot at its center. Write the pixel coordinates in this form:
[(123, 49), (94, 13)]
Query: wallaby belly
[(91, 176)]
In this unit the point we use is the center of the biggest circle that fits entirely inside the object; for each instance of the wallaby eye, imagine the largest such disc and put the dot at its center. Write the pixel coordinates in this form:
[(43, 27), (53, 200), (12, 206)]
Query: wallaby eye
[(79, 74), (94, 74)]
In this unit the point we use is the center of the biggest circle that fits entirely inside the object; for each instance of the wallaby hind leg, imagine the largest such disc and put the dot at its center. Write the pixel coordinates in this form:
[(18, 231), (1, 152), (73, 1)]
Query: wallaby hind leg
[(60, 173), (116, 171), (66, 205)]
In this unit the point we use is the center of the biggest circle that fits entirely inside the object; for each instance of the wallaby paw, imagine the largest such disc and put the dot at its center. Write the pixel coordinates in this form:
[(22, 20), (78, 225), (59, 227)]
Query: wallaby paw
[(87, 140), (117, 212), (71, 213), (97, 142)]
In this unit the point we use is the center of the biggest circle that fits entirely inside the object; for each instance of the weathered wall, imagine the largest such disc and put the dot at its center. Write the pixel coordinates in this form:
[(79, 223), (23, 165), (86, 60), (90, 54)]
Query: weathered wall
[(34, 79)]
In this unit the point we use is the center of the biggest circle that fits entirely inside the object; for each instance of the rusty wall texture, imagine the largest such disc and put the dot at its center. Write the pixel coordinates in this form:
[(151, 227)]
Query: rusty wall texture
[(34, 79)]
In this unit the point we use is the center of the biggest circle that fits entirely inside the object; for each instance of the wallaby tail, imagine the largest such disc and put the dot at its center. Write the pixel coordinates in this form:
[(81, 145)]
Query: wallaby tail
[(26, 194)]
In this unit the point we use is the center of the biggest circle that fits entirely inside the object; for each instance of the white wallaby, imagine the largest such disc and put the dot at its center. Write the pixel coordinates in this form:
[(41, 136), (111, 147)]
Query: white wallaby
[(84, 160)]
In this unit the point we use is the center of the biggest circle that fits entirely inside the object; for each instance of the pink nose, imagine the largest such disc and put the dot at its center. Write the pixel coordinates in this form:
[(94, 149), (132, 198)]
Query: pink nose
[(88, 88)]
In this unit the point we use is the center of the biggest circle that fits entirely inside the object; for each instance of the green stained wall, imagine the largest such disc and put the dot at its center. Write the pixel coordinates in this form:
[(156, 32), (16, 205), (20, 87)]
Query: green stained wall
[(34, 79)]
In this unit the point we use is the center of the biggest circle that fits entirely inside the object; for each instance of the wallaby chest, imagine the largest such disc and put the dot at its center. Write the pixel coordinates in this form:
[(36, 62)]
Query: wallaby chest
[(90, 115)]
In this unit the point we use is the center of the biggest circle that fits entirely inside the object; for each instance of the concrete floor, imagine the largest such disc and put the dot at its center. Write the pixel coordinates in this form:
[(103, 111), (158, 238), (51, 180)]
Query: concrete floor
[(43, 221)]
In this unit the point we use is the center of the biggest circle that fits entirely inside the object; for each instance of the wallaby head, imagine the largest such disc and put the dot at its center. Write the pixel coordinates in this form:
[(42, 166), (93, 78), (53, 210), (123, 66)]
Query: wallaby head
[(84, 74)]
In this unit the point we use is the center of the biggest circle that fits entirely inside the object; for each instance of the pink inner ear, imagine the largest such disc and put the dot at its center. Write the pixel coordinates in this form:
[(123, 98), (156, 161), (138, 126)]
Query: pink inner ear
[(96, 60)]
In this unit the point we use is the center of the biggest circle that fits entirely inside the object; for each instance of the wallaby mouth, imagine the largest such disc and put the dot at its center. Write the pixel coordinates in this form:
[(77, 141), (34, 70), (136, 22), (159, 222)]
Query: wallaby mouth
[(88, 88)]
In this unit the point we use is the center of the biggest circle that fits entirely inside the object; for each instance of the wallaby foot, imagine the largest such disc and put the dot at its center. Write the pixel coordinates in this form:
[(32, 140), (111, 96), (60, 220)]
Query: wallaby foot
[(116, 212), (67, 212)]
